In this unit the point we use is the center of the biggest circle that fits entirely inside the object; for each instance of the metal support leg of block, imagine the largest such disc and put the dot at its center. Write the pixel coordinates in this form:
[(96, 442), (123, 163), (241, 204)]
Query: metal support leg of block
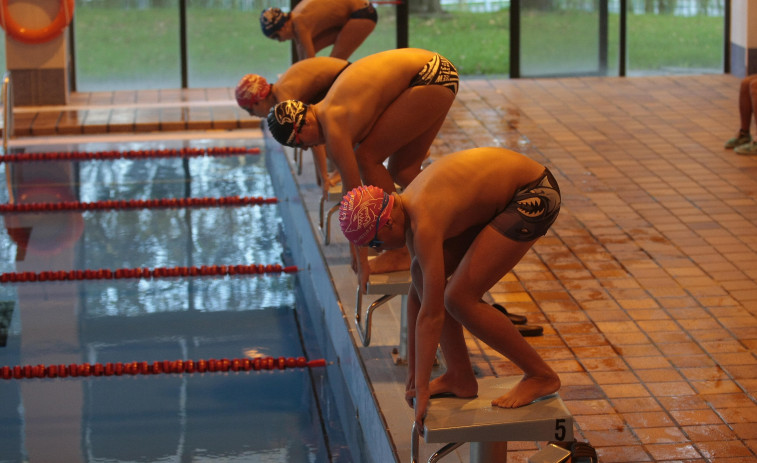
[(324, 220), (298, 160), (489, 428), (387, 285)]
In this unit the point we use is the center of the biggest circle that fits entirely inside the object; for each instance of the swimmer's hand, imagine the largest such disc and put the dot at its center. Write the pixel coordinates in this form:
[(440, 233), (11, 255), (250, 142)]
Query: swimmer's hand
[(331, 180), (334, 178), (410, 387), (421, 407)]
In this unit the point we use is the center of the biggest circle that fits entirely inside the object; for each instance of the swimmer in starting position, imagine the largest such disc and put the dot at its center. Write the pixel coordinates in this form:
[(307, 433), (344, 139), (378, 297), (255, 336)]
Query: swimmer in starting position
[(308, 81), (316, 24), (463, 238), (386, 106)]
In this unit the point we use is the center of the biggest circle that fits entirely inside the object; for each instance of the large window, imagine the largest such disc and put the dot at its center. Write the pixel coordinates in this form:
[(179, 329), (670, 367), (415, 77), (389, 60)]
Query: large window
[(224, 42), (582, 37), (137, 44), (127, 44), (473, 34), (561, 38), (675, 36)]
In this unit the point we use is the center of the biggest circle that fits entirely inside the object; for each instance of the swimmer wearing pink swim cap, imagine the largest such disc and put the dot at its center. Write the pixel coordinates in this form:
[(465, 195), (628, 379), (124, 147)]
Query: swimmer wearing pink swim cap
[(307, 80), (251, 90), (378, 120), (362, 213), (463, 237)]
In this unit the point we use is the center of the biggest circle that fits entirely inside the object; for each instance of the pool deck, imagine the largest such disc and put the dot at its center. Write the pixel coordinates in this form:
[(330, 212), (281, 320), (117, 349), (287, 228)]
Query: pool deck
[(646, 286)]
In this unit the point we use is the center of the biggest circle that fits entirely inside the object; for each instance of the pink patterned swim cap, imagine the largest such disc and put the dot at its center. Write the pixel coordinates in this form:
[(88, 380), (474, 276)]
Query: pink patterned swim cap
[(251, 89), (363, 211)]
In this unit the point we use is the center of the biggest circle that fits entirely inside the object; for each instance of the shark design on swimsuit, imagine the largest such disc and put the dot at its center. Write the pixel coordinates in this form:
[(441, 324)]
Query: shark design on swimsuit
[(543, 200)]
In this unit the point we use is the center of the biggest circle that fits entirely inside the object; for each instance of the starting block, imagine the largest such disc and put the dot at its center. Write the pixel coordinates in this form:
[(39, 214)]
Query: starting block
[(334, 194), (489, 428), (388, 285), (298, 159)]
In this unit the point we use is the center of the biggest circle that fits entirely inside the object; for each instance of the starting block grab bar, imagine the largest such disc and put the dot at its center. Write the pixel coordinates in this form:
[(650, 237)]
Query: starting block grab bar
[(489, 428)]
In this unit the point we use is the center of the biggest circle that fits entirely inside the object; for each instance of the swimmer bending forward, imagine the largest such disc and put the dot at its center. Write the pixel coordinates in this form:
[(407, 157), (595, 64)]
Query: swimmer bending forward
[(463, 237)]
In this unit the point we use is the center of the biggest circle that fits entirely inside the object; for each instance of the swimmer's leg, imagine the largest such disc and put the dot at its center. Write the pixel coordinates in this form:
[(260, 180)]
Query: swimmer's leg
[(490, 256), (352, 35), (324, 39), (459, 379), (403, 133)]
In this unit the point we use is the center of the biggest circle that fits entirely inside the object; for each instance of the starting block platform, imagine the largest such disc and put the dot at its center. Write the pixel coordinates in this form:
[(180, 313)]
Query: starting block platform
[(488, 428)]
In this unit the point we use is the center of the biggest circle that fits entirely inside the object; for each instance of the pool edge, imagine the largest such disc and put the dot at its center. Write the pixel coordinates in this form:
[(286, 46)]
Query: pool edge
[(307, 256)]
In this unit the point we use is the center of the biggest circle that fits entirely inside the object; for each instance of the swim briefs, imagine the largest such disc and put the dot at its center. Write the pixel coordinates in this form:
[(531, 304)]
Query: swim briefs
[(532, 210), (369, 12), (438, 71)]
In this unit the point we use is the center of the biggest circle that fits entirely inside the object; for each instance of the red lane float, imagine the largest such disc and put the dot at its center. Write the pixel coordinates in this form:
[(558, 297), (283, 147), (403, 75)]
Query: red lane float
[(44, 34), (168, 367), (132, 154), (114, 204), (144, 273)]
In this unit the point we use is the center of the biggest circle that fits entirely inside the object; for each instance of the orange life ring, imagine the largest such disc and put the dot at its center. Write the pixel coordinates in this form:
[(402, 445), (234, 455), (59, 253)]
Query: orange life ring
[(26, 35)]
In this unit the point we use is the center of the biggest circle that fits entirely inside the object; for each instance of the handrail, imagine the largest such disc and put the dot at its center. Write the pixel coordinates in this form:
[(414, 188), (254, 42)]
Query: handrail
[(7, 96)]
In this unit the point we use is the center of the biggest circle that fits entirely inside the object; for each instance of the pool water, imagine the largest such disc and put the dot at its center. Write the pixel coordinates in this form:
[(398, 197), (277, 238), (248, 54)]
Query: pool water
[(279, 415)]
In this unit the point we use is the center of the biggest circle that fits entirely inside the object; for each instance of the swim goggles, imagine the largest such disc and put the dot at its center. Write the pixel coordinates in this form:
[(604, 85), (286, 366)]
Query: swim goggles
[(375, 242)]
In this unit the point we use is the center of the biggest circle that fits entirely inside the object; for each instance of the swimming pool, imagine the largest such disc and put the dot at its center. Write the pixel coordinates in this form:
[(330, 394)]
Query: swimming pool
[(127, 413)]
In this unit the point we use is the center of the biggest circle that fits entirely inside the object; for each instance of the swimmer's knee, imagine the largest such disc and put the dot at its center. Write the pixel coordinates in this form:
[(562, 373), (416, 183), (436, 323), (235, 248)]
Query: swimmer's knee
[(401, 176), (457, 299), (452, 303)]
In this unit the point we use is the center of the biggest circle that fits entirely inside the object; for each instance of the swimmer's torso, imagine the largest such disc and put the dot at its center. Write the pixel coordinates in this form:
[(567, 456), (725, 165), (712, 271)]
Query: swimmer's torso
[(367, 87)]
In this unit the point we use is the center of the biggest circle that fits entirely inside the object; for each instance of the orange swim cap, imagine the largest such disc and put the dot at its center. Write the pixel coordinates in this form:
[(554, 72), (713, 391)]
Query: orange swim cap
[(251, 89)]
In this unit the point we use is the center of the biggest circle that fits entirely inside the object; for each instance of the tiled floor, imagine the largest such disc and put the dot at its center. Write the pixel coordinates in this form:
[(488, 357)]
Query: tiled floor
[(647, 284)]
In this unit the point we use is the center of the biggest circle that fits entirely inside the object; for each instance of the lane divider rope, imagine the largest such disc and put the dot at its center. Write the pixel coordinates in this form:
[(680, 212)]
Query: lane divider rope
[(114, 204), (185, 152), (168, 367), (145, 273)]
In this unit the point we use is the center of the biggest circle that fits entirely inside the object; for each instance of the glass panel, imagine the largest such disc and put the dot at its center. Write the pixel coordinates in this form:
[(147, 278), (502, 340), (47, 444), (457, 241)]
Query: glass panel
[(560, 37), (127, 44), (675, 36), (2, 53), (473, 34), (224, 42)]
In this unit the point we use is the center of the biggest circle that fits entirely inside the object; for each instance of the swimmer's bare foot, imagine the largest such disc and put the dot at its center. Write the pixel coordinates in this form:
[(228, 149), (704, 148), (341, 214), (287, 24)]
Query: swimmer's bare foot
[(528, 390), (459, 387), (393, 260)]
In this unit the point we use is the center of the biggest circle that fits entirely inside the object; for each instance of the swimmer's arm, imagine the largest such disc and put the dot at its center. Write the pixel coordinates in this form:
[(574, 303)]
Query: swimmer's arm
[(304, 40), (340, 150), (429, 252), (321, 167), (413, 305)]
